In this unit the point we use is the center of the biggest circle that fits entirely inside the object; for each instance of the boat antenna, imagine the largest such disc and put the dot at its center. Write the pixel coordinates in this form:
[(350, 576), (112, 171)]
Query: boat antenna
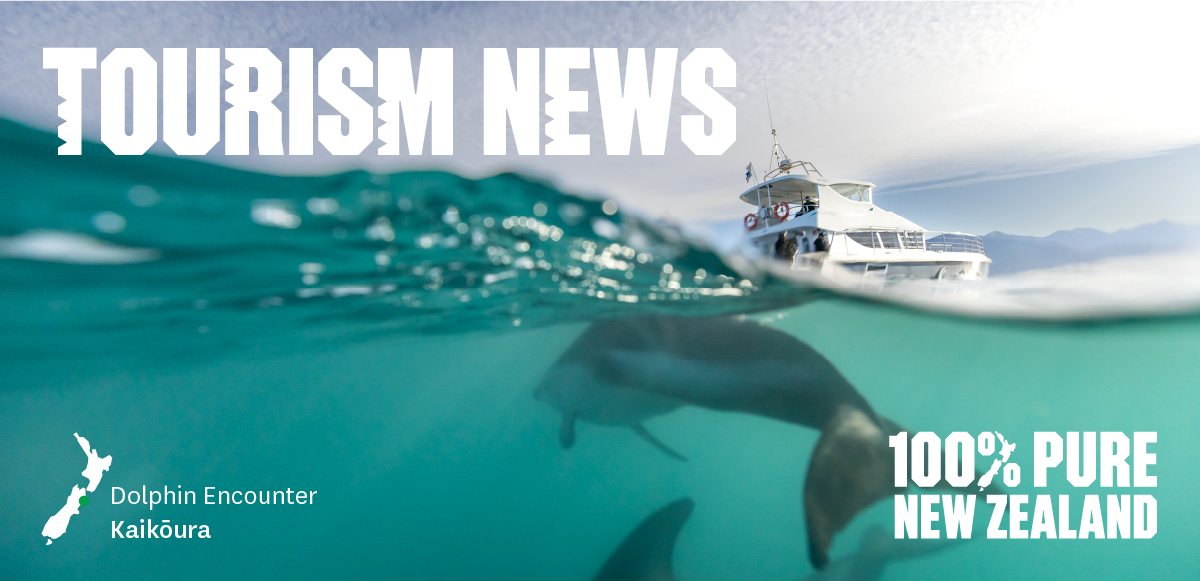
[(767, 90), (780, 163), (779, 160)]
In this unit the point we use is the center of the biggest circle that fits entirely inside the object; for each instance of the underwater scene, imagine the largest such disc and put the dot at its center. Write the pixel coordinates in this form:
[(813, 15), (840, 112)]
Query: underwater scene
[(494, 379)]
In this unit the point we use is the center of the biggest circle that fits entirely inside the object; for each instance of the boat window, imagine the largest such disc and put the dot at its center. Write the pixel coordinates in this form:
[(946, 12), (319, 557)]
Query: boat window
[(864, 238), (890, 240), (913, 240), (853, 192)]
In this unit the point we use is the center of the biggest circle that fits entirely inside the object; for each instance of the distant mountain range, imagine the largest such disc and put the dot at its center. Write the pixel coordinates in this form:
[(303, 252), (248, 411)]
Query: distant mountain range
[(1010, 253)]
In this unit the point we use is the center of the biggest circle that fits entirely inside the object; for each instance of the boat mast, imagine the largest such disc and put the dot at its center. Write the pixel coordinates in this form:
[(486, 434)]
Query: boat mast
[(779, 158), (780, 162)]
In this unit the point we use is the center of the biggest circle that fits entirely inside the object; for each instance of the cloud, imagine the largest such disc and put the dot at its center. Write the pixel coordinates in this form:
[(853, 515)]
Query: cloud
[(893, 93)]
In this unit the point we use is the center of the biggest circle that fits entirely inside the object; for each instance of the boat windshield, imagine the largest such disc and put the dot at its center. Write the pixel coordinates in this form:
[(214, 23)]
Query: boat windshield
[(853, 192)]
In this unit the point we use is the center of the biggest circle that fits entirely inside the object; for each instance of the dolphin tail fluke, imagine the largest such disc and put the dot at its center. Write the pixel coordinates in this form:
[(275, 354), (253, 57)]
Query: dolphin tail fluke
[(851, 469), (566, 431), (646, 554), (647, 436)]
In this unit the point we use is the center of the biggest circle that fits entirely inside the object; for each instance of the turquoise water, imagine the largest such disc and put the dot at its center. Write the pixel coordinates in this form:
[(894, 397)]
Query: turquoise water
[(396, 388)]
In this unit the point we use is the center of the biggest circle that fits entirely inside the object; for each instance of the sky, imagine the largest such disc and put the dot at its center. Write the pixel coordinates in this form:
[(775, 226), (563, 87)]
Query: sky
[(1106, 196), (968, 116)]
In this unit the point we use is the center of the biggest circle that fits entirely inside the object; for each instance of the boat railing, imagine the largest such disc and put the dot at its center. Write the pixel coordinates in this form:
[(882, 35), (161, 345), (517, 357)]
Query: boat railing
[(953, 242), (901, 240), (794, 210)]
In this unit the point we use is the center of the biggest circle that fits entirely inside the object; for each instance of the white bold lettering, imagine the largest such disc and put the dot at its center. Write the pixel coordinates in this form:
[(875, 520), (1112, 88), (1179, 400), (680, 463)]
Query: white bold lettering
[(906, 516), (1145, 516), (1043, 518), (563, 101), (145, 101), (1142, 458), (1000, 501), (433, 89), (899, 443), (243, 101), (1064, 517), (926, 459), (505, 100), (1089, 459), (359, 114), (692, 86), (300, 101), (175, 100), (960, 515), (1016, 516), (70, 63), (1092, 520), (960, 468), (1114, 450), (928, 516), (648, 101), (1047, 453)]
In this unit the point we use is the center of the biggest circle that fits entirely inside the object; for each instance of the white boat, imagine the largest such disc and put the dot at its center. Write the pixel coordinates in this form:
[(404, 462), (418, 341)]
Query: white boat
[(834, 226)]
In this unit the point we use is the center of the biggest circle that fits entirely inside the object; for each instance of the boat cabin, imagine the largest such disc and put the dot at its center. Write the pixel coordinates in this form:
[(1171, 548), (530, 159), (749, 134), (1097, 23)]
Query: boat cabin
[(789, 202)]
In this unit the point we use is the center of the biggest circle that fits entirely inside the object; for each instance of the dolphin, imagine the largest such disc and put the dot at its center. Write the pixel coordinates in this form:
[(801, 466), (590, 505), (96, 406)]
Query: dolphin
[(575, 387), (739, 365), (733, 364), (647, 553)]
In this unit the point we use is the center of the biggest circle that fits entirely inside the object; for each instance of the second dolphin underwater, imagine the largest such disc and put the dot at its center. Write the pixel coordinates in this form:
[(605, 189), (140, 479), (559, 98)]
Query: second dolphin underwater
[(624, 371)]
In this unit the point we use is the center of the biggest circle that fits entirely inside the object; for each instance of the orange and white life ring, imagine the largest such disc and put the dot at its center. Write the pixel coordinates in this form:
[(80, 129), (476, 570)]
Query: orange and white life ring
[(781, 211), (751, 221)]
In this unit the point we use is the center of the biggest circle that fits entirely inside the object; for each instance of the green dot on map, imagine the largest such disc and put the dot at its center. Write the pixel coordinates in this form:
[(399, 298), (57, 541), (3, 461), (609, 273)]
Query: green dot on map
[(83, 500)]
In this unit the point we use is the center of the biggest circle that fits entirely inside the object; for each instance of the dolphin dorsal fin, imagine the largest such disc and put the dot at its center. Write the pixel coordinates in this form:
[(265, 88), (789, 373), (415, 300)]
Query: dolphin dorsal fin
[(646, 554)]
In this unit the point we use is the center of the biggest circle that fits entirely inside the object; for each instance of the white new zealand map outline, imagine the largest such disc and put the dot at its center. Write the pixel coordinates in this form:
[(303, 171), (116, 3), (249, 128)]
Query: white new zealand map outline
[(1006, 450), (96, 467)]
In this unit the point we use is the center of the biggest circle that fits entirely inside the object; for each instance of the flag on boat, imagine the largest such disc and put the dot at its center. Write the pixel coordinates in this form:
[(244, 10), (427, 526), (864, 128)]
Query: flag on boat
[(749, 170)]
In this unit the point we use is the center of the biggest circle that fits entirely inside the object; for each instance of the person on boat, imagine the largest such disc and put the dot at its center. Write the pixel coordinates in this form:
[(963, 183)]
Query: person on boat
[(780, 245), (822, 243), (789, 249)]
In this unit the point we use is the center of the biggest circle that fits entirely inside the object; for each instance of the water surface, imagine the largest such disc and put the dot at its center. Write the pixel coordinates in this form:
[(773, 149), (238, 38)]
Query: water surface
[(378, 339)]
